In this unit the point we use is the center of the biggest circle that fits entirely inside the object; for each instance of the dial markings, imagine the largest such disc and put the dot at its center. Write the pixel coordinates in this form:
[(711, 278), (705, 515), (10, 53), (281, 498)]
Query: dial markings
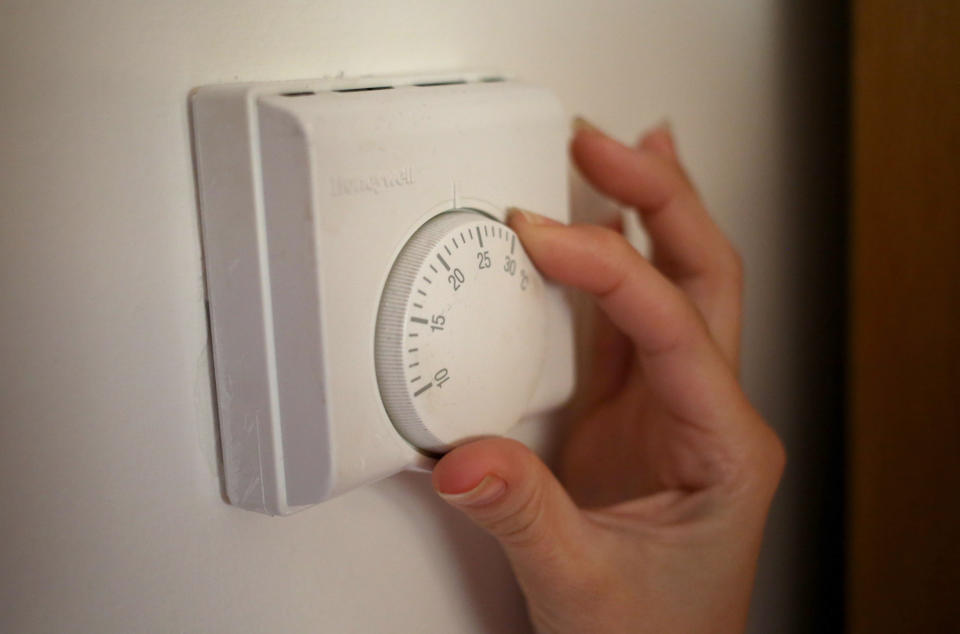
[(487, 291), (423, 389)]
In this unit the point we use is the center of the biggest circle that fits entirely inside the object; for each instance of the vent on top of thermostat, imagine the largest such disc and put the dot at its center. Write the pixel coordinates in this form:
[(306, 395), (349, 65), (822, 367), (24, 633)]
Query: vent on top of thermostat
[(451, 82), (424, 84), (363, 89)]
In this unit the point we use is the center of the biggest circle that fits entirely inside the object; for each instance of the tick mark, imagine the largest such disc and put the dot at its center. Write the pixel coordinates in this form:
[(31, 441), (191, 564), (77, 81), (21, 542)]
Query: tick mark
[(513, 242), (470, 231), (415, 379), (434, 269), (413, 349), (448, 249), (479, 237), (419, 320), (443, 262), (485, 230), (414, 364), (427, 280), (423, 389), (462, 239), (417, 305), (421, 292), (413, 334)]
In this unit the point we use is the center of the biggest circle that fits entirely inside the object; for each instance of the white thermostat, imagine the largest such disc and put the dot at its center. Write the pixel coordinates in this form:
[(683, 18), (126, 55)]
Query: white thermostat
[(369, 308)]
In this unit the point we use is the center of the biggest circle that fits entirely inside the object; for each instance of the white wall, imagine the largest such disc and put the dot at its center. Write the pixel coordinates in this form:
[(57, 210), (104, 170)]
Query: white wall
[(113, 519)]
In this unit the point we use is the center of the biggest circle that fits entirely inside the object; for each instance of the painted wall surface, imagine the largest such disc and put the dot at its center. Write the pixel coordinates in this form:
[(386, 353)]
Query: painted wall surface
[(113, 520)]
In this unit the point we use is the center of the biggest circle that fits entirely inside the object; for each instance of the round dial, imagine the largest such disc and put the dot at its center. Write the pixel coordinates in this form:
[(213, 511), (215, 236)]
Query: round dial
[(460, 332)]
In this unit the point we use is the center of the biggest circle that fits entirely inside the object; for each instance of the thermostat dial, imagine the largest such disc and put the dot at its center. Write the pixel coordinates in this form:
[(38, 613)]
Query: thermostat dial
[(460, 332)]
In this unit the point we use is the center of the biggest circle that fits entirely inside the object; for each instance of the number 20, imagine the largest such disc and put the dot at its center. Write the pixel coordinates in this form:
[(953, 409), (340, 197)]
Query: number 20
[(456, 279)]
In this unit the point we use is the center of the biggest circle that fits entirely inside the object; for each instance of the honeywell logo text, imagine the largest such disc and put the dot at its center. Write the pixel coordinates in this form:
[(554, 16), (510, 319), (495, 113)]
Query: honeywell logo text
[(371, 183)]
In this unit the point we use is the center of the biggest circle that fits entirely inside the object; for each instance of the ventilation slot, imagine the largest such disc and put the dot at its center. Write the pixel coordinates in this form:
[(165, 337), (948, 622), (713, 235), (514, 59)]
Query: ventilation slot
[(366, 89), (441, 83)]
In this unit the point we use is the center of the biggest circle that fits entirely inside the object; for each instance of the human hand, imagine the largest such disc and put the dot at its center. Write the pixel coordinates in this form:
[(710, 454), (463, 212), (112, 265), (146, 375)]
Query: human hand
[(669, 477)]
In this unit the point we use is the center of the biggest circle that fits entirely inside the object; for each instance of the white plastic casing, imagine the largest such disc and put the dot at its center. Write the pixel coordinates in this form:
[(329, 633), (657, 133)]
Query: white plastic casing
[(307, 195)]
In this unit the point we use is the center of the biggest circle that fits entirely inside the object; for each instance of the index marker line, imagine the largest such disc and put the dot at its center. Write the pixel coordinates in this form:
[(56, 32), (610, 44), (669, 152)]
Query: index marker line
[(423, 389), (443, 262), (513, 242)]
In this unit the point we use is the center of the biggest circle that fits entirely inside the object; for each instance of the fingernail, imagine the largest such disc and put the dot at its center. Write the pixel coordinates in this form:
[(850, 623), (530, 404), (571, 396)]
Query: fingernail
[(580, 124), (488, 490), (528, 217)]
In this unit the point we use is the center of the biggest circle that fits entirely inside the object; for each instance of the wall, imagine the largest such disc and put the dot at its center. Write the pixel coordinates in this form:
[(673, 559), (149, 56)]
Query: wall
[(114, 520)]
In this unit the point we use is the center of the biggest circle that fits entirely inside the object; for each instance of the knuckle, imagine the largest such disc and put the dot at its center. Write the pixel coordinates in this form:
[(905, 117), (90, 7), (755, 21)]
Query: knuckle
[(769, 456), (678, 322), (617, 260), (736, 263), (609, 240), (730, 265), (522, 525), (777, 453)]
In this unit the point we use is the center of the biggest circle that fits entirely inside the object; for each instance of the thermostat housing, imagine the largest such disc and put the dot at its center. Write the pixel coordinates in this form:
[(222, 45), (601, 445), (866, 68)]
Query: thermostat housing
[(309, 190)]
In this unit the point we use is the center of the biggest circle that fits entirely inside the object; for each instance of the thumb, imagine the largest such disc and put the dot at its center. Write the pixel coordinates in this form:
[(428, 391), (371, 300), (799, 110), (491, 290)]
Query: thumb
[(506, 490)]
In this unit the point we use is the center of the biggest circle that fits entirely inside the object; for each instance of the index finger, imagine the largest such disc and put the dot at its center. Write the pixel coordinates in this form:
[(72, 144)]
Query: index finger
[(688, 246), (681, 362)]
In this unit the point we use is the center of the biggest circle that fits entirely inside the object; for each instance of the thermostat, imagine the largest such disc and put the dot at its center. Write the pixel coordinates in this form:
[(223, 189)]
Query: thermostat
[(369, 307)]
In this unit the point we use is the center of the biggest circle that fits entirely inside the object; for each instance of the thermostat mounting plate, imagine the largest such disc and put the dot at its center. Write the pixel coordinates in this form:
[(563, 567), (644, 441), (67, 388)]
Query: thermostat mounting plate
[(309, 191)]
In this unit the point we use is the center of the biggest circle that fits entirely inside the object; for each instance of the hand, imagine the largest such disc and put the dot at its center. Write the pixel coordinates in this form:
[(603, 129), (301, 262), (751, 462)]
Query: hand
[(669, 477)]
